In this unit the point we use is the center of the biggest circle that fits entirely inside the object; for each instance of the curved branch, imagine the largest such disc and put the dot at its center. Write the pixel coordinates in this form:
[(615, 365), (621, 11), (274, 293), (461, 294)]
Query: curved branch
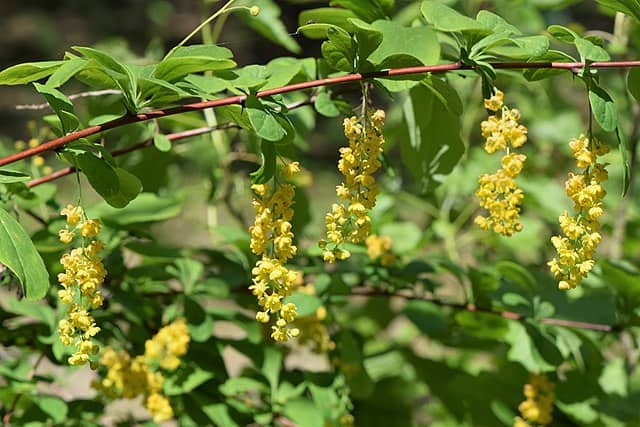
[(240, 99), (366, 291)]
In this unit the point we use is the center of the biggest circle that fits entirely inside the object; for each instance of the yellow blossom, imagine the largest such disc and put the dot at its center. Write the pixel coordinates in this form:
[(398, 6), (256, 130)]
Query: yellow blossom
[(538, 406), (349, 221), (168, 345), (83, 275), (498, 192), (581, 232), (129, 377), (272, 239), (379, 247)]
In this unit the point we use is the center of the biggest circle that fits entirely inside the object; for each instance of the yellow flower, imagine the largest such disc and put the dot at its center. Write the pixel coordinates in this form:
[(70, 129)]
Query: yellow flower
[(495, 102), (379, 247), (90, 228), (538, 406), (83, 275), (498, 192), (73, 214), (168, 345), (66, 236), (38, 161), (349, 221), (159, 407), (576, 248), (272, 238)]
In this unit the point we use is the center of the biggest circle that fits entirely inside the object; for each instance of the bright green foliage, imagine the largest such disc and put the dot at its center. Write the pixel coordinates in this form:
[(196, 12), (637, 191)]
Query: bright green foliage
[(441, 324)]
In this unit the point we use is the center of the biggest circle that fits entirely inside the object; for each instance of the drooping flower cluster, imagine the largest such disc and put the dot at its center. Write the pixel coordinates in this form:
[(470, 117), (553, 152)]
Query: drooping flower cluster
[(537, 408), (582, 231), (349, 221), (272, 238), (129, 377), (83, 275), (498, 192), (379, 248)]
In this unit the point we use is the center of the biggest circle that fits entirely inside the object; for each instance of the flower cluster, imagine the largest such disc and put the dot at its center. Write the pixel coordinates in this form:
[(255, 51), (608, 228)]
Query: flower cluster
[(128, 377), (312, 328), (379, 248), (537, 408), (349, 221), (582, 231), (498, 192), (272, 238), (83, 275)]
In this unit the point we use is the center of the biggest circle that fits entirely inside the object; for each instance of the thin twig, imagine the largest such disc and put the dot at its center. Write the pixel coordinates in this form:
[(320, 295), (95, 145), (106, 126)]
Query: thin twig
[(240, 99), (91, 93), (172, 137), (366, 291)]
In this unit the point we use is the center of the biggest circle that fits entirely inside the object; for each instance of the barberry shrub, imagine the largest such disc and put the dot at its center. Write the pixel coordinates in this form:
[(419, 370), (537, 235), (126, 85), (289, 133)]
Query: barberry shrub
[(385, 228)]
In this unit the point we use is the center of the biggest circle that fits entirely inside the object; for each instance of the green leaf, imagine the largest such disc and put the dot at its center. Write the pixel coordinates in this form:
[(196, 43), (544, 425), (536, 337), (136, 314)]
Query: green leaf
[(628, 7), (306, 304), (28, 72), (147, 207), (367, 40), (430, 140), (20, 256), (200, 324), (326, 15), (405, 236), (615, 378), (269, 25), (483, 325), (187, 271), (633, 83), (53, 406), (241, 385), (282, 71), (367, 10), (185, 379), (129, 186), (61, 105), (162, 142), (325, 105), (603, 108), (420, 43), (99, 173), (103, 59), (588, 51), (193, 59), (444, 18), (351, 362), (623, 146), (339, 51), (263, 121), (525, 48), (68, 69), (271, 367), (445, 93), (304, 412), (8, 176), (496, 23), (268, 166), (523, 350)]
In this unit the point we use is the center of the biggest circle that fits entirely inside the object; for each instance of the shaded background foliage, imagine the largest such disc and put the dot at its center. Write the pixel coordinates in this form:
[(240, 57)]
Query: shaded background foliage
[(401, 361)]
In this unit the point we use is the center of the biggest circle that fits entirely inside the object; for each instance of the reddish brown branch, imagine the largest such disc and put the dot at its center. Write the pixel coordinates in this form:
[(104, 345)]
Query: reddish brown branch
[(240, 99), (172, 137), (365, 291)]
